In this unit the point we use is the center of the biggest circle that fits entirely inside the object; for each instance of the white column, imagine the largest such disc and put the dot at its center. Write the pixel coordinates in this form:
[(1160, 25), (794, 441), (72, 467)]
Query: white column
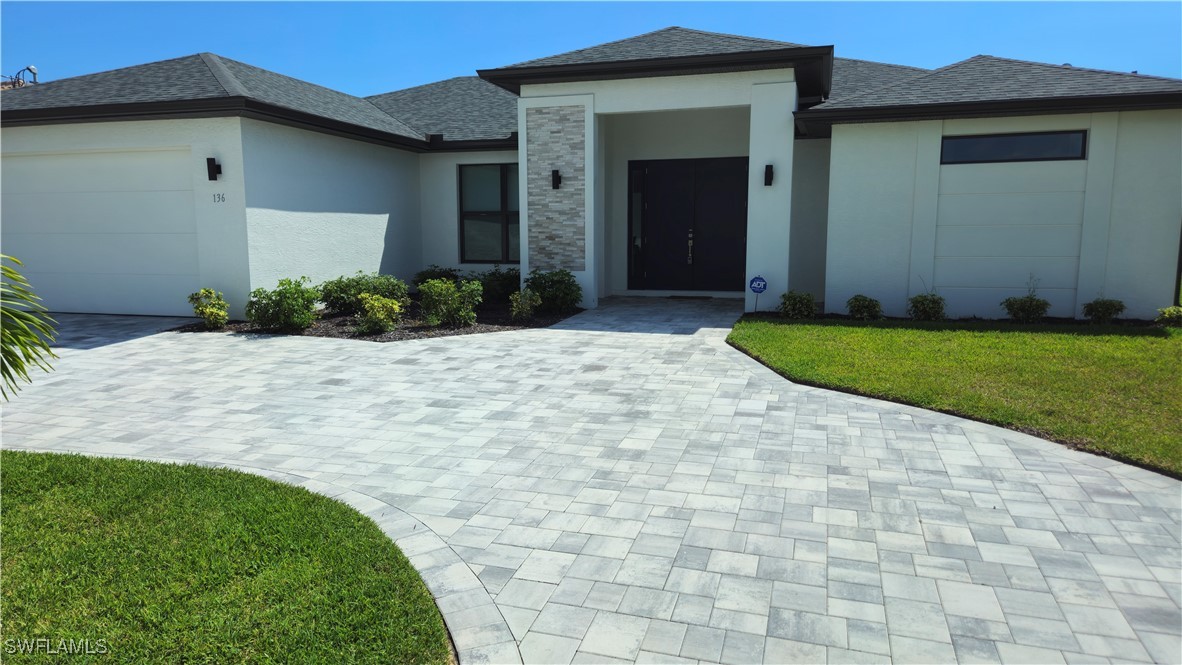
[(769, 208)]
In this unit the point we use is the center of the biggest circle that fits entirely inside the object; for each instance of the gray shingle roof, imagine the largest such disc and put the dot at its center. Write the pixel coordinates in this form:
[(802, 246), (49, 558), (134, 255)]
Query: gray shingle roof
[(179, 79), (198, 77), (855, 77), (985, 78), (666, 43), (463, 108), (267, 86)]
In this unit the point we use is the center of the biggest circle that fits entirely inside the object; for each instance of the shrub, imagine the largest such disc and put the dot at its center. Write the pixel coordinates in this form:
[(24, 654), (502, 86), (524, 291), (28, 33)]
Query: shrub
[(290, 306), (499, 282), (211, 307), (926, 307), (342, 295), (864, 307), (445, 302), (379, 314), (1103, 310), (522, 304), (559, 291), (25, 329), (435, 272), (797, 305), (1170, 316), (1026, 309)]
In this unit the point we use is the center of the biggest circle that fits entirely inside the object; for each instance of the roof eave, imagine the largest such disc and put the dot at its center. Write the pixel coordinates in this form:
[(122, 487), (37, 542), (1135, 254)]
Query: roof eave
[(814, 65), (817, 122)]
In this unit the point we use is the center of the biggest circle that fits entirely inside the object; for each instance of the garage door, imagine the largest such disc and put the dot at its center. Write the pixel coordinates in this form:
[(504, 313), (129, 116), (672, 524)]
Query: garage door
[(103, 232)]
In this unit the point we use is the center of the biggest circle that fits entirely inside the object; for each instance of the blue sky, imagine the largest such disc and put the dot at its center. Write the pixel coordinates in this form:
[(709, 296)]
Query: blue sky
[(368, 48)]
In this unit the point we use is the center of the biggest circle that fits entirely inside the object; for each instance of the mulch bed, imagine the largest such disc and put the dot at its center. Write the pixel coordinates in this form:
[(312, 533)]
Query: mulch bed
[(490, 317)]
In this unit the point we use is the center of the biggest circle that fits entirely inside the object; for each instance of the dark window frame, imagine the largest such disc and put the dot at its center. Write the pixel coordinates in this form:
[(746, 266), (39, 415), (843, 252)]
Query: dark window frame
[(505, 216), (1083, 153)]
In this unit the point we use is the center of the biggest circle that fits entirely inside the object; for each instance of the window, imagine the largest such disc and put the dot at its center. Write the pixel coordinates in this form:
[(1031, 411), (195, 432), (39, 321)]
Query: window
[(1033, 147), (489, 214)]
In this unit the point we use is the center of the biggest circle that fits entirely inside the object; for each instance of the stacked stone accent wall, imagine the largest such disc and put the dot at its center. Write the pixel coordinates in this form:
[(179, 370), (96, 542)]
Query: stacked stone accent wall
[(555, 139)]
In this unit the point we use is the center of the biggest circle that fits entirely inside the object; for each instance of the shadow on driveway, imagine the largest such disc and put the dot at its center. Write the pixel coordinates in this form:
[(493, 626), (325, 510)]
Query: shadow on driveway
[(90, 331)]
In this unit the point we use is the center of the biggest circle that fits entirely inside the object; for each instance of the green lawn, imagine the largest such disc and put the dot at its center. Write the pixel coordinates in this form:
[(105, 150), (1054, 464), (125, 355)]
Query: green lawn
[(170, 564), (1110, 389)]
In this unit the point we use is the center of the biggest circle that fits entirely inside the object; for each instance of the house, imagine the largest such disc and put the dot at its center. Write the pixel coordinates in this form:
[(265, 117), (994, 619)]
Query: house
[(675, 162)]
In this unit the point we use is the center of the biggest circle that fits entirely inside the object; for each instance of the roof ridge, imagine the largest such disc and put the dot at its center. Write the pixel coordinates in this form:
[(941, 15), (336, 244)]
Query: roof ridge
[(888, 64), (108, 71), (421, 85), (224, 76), (585, 48), (910, 81), (728, 35), (1074, 68)]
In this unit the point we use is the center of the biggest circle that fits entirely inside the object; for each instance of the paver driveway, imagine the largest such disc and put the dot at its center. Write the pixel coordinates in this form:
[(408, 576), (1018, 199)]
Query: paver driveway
[(626, 486)]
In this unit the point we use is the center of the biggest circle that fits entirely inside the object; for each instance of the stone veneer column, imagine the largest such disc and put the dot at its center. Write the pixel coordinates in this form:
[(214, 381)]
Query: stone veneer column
[(557, 228)]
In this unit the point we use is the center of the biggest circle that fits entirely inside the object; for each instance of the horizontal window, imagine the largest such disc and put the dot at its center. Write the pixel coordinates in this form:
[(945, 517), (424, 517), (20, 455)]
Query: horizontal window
[(1031, 147), (489, 214)]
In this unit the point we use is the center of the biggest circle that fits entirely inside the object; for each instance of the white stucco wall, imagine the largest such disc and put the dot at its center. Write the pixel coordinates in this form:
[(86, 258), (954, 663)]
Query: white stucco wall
[(673, 135), (810, 216), (120, 217), (439, 204), (769, 208), (322, 206), (1107, 225)]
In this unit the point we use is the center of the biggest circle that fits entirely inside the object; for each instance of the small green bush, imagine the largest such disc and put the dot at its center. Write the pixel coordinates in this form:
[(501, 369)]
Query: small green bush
[(559, 291), (864, 307), (1170, 316), (499, 282), (926, 307), (797, 305), (445, 302), (1026, 309), (378, 314), (522, 304), (1103, 310), (342, 295), (211, 307), (290, 306), (435, 272)]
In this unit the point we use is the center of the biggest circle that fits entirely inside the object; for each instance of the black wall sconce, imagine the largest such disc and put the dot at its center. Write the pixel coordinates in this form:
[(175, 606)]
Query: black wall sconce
[(213, 168), (555, 179), (767, 175)]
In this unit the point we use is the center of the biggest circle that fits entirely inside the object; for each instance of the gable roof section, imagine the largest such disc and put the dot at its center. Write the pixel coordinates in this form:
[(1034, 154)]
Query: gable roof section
[(465, 108), (854, 77), (671, 52), (179, 79), (992, 85), (291, 93), (205, 85), (672, 42)]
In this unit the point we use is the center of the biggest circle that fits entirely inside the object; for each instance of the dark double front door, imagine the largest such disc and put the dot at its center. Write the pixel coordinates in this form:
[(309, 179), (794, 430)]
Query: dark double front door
[(687, 224)]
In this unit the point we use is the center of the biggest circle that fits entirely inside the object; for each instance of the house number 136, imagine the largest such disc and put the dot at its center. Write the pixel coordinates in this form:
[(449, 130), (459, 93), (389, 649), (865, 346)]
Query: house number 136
[(219, 198)]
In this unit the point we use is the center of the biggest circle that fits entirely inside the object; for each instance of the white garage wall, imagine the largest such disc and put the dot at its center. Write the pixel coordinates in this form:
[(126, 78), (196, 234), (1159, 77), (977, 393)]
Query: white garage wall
[(1146, 214), (120, 217), (1107, 226), (439, 204), (322, 206)]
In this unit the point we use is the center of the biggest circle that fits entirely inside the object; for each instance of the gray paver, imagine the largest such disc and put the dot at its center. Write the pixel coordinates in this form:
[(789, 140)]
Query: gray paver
[(626, 486)]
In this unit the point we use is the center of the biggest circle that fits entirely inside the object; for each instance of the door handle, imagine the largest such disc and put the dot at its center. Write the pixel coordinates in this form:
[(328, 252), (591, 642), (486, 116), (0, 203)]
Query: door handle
[(690, 249)]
